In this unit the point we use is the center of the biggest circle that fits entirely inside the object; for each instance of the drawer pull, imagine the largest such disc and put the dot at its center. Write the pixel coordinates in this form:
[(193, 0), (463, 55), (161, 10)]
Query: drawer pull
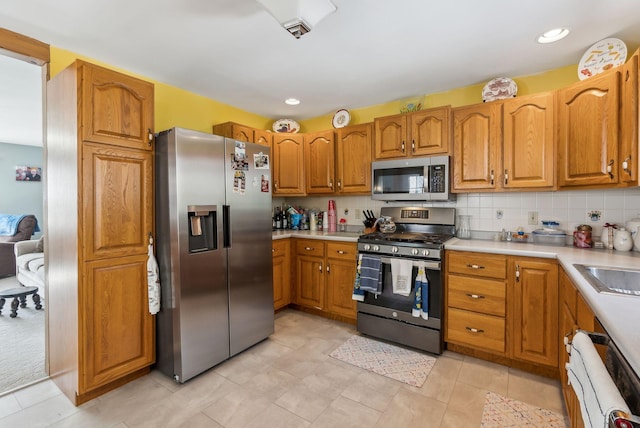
[(340, 252), (475, 296), (474, 330), (309, 248), (469, 265)]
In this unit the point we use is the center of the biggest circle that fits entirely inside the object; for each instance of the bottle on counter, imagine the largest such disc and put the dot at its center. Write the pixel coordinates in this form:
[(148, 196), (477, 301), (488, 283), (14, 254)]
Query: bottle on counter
[(278, 218)]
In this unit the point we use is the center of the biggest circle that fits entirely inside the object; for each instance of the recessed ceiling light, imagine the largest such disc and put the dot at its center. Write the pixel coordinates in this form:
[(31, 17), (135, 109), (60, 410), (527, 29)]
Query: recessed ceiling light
[(292, 101), (553, 35)]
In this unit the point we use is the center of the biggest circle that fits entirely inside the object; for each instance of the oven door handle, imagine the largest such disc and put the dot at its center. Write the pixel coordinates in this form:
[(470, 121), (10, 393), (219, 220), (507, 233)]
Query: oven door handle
[(428, 264)]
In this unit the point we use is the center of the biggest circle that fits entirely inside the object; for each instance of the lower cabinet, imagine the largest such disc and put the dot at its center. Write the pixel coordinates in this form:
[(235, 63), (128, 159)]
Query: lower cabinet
[(281, 273), (503, 307), (324, 275)]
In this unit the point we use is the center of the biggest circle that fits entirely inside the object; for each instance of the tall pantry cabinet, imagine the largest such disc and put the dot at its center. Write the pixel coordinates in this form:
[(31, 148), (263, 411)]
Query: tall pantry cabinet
[(99, 206)]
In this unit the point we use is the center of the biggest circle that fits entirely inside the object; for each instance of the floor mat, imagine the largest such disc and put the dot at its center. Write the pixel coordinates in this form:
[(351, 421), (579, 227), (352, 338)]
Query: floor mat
[(503, 412), (388, 360)]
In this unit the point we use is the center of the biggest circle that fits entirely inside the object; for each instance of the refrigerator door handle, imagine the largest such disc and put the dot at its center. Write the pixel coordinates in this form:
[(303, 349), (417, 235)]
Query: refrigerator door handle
[(226, 226)]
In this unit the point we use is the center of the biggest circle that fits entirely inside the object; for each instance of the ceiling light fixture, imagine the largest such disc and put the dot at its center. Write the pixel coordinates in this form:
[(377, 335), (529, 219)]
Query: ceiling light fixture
[(292, 101), (298, 16), (553, 35)]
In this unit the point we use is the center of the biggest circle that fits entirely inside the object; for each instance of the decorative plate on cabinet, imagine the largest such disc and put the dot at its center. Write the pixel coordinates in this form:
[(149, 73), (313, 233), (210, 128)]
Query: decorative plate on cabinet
[(286, 125), (602, 56), (341, 118), (499, 89)]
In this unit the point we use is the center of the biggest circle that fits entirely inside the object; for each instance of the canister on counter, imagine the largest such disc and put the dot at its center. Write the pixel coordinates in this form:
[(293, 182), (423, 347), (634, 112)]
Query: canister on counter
[(582, 236)]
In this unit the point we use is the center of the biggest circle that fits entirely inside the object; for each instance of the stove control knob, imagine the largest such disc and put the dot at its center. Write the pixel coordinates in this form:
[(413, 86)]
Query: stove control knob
[(376, 248), (394, 249), (414, 252), (367, 247), (425, 252)]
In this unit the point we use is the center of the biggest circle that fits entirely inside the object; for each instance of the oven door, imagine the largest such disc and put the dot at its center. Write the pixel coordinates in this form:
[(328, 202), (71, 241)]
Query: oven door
[(398, 306)]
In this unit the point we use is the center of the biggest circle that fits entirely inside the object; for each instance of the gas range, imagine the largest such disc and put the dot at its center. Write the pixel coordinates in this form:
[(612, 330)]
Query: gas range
[(420, 233)]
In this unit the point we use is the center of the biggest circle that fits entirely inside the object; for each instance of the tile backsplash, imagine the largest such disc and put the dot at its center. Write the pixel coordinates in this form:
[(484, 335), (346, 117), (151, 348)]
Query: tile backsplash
[(508, 211)]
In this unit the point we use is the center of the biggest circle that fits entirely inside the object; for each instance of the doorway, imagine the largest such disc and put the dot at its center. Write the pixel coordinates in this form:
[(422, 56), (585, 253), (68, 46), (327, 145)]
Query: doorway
[(24, 65)]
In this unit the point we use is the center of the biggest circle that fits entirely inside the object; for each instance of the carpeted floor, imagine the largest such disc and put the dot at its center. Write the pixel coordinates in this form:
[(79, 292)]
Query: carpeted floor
[(504, 412), (394, 362), (21, 343)]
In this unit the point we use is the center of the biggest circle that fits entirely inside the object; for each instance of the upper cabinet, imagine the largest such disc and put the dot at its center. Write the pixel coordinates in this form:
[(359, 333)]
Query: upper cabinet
[(319, 162), (528, 146), (476, 146), (116, 111), (243, 133), (588, 132), (421, 133), (353, 158), (287, 164), (629, 122)]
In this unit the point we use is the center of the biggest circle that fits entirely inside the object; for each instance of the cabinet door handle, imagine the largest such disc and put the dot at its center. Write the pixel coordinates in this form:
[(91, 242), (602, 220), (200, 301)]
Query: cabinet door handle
[(469, 265), (320, 267), (328, 270), (413, 146), (625, 165), (331, 184), (273, 250), (475, 296), (492, 177), (402, 146), (149, 136), (474, 330), (609, 168), (275, 185), (309, 248), (506, 176), (517, 273), (339, 184)]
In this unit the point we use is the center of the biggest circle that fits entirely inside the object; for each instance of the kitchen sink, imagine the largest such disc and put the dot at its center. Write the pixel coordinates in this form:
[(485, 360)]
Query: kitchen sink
[(612, 280)]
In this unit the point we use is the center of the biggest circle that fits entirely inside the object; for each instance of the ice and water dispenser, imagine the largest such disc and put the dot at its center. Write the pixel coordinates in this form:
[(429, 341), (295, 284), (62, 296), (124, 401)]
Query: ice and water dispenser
[(202, 228)]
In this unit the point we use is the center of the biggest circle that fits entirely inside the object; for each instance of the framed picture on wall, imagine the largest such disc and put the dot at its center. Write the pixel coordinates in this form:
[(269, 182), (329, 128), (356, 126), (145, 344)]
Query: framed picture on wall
[(28, 173)]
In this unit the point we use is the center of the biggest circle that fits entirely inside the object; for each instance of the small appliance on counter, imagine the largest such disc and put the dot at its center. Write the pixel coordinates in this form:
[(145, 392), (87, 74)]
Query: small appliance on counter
[(549, 234)]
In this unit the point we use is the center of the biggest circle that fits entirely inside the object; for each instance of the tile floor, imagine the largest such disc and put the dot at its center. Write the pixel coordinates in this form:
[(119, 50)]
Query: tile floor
[(289, 380)]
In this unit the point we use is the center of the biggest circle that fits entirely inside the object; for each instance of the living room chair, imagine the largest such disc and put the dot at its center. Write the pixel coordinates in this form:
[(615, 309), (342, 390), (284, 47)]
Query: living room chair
[(14, 229)]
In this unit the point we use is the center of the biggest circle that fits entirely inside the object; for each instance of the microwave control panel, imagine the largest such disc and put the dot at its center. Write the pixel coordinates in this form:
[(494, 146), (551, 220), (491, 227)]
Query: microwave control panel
[(437, 178)]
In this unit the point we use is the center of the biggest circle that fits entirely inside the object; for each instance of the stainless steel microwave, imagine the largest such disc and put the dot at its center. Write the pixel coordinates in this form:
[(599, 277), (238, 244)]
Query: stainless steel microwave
[(415, 179)]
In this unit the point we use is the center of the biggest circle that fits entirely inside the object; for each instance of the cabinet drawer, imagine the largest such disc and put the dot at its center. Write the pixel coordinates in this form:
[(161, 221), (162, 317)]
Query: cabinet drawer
[(280, 247), (476, 330), (476, 294), (342, 250), (477, 264), (310, 247)]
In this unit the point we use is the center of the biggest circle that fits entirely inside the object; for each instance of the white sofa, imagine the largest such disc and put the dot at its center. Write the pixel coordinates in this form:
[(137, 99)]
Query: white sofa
[(30, 263)]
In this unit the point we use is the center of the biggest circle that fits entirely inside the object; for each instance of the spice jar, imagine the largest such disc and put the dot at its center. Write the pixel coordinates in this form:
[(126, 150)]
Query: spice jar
[(582, 236)]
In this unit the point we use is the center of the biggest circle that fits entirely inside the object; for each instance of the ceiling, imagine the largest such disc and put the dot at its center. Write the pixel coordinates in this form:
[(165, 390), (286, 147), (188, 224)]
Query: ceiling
[(369, 52)]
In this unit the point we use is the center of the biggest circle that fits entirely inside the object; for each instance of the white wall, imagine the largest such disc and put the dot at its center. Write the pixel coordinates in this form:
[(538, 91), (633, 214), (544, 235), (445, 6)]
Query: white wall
[(570, 208)]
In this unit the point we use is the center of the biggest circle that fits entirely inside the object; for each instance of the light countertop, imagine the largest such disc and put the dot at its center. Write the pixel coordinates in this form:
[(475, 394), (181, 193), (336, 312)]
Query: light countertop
[(328, 236), (619, 315)]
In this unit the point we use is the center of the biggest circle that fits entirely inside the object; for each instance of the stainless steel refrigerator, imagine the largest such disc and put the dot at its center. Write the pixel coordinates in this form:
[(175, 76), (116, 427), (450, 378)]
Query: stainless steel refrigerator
[(213, 236)]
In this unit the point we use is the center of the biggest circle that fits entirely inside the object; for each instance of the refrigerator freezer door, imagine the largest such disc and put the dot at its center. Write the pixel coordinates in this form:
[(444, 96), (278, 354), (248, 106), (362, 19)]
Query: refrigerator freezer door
[(248, 187), (193, 333)]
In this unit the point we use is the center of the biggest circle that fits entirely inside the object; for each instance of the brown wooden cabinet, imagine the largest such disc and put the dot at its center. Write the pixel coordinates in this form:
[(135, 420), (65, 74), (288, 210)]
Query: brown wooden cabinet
[(325, 271), (420, 133), (353, 159), (101, 334), (243, 133), (588, 132), (506, 307), (281, 273), (288, 164), (341, 272), (528, 146), (477, 140), (629, 122), (533, 310), (319, 162)]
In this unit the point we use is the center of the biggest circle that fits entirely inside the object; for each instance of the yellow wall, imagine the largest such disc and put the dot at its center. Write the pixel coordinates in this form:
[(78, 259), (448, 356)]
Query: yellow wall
[(467, 95), (174, 106), (178, 107)]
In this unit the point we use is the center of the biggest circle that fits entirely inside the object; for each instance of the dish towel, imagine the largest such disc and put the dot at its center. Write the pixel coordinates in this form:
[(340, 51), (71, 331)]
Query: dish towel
[(401, 276), (153, 280), (421, 301), (370, 274), (590, 380)]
